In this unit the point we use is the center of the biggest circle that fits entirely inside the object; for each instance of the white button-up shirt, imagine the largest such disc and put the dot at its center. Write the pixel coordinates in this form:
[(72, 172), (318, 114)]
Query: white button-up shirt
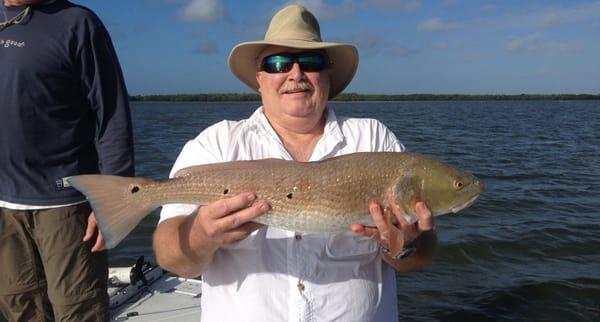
[(278, 275)]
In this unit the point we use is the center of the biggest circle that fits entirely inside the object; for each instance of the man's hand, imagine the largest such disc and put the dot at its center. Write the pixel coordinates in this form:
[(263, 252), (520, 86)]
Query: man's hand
[(185, 244), (396, 236), (90, 232), (227, 221), (405, 231)]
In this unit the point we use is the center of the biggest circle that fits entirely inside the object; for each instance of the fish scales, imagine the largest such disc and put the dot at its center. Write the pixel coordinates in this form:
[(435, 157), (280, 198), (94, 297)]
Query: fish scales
[(306, 197)]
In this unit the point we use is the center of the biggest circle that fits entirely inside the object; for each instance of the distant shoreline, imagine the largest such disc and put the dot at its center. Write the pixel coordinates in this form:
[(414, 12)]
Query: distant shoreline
[(352, 97)]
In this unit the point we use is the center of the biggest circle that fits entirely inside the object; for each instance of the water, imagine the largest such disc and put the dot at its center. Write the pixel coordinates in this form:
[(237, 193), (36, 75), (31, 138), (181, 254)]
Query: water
[(528, 250)]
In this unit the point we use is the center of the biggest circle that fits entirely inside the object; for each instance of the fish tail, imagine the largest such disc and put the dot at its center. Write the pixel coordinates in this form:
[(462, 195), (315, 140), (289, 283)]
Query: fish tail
[(116, 203)]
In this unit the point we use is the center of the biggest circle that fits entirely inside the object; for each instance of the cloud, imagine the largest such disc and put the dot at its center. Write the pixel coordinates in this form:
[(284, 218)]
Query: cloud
[(435, 24), (579, 13), (207, 48), (403, 5), (540, 17), (326, 11), (472, 57), (450, 3), (551, 20), (370, 43), (373, 44), (488, 8), (401, 51), (534, 43), (527, 43), (440, 45), (203, 11)]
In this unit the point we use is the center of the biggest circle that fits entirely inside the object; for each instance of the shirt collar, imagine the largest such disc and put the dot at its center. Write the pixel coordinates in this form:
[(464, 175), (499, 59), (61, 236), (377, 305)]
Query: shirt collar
[(332, 137), (332, 134)]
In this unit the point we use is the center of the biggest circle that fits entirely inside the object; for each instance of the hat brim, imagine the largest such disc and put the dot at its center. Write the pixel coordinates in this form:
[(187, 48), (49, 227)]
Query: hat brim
[(243, 61)]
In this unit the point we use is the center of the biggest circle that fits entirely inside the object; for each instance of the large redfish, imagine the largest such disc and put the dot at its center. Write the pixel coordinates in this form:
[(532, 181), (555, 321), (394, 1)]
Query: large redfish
[(314, 197)]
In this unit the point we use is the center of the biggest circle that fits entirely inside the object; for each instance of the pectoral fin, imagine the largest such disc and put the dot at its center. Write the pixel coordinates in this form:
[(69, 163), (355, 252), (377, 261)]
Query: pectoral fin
[(407, 192)]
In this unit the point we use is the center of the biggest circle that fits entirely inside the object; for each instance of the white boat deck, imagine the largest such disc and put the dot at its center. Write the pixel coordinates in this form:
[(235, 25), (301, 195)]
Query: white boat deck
[(164, 297)]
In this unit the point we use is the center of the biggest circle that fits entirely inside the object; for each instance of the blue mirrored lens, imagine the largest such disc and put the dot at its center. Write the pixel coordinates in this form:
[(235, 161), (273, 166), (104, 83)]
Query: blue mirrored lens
[(282, 63)]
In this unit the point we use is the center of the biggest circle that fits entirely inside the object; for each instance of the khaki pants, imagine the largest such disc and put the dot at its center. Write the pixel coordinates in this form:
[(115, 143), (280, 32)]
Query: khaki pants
[(47, 272)]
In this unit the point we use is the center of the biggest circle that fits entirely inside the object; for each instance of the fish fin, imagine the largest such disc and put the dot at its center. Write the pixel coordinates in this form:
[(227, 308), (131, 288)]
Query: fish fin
[(113, 200), (407, 191), (396, 242)]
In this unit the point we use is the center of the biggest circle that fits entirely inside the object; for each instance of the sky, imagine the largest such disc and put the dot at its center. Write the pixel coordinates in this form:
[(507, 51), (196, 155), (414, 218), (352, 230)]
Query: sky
[(405, 46)]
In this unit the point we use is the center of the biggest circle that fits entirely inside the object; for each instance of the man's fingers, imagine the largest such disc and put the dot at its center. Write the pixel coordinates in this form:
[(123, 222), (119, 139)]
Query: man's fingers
[(425, 221), (381, 220), (377, 215), (99, 246), (398, 212), (224, 207), (357, 228), (236, 219), (90, 230), (370, 232), (243, 216)]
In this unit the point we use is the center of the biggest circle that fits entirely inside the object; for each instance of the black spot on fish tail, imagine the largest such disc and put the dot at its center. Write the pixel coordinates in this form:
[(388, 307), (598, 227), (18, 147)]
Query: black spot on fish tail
[(226, 191), (290, 195)]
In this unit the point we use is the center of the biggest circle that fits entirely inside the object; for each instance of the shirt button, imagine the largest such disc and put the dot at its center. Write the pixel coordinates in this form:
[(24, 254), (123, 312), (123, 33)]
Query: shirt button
[(300, 287), (297, 236)]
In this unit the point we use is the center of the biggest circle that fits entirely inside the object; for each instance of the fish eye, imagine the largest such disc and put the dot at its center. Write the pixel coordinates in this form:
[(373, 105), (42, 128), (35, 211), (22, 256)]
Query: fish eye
[(458, 184)]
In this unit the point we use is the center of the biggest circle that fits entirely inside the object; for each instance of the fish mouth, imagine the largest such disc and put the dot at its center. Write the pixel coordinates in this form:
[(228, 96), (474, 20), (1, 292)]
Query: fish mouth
[(465, 205)]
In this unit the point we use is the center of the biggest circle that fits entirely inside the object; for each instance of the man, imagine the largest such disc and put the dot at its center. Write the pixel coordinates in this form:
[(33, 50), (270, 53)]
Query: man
[(254, 273), (65, 111)]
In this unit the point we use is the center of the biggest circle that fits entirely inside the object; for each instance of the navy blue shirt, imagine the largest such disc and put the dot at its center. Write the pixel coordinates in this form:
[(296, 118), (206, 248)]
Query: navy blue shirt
[(63, 104)]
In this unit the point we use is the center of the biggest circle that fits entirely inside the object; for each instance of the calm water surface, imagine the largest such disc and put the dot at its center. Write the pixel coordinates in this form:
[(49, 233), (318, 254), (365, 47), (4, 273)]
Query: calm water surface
[(528, 250)]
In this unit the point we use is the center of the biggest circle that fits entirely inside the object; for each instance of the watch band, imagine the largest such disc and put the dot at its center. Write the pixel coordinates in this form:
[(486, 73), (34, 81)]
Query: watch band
[(403, 254)]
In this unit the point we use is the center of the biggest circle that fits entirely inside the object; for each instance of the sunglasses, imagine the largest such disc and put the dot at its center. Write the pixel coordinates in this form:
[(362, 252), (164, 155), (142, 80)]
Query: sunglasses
[(283, 62)]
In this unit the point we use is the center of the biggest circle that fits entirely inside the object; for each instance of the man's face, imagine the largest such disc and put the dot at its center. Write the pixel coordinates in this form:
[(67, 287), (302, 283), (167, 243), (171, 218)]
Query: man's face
[(295, 93)]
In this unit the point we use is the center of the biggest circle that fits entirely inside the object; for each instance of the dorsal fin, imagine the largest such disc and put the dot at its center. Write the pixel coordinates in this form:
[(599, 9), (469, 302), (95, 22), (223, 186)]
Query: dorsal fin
[(233, 165)]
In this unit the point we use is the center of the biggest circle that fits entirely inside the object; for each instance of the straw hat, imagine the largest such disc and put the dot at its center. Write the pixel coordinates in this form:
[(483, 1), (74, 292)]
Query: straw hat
[(295, 27)]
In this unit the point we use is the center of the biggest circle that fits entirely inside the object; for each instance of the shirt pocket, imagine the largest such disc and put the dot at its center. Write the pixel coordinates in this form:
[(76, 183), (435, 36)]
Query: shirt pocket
[(351, 246)]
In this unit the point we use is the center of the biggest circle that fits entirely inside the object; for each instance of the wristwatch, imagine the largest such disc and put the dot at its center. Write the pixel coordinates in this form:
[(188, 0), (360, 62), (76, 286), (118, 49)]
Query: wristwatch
[(411, 249)]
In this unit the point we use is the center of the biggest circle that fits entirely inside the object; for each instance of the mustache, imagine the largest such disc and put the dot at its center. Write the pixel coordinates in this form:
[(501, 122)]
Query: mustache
[(295, 86)]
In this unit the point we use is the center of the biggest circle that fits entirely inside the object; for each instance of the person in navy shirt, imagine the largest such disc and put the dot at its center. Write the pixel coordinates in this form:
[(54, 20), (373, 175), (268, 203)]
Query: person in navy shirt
[(64, 111)]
